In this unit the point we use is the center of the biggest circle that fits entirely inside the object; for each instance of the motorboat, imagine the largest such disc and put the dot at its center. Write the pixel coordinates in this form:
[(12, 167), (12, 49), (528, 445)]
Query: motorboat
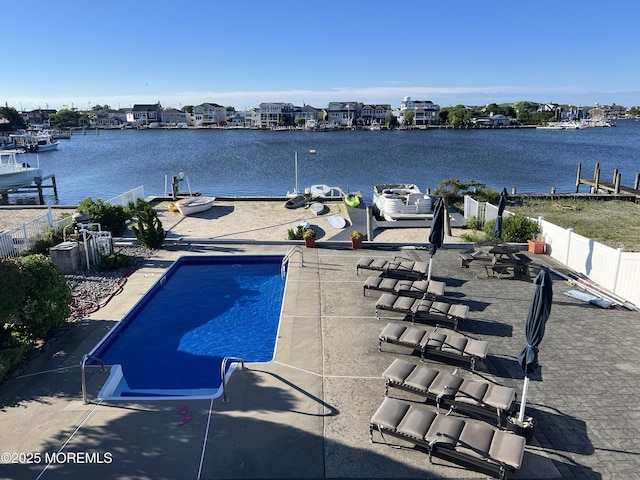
[(15, 174), (192, 205), (401, 201), (564, 125), (37, 142)]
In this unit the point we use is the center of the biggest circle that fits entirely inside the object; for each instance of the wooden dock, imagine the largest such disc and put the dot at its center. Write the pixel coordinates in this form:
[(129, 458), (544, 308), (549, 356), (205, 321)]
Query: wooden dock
[(36, 185), (599, 186)]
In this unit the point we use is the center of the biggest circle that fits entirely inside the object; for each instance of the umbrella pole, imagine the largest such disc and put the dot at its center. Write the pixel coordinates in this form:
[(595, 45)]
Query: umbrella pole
[(429, 271), (525, 388)]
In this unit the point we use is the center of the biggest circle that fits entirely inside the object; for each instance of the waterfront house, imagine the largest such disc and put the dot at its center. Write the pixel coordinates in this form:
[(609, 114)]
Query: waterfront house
[(172, 117), (425, 112), (490, 121), (307, 116), (208, 114), (142, 114), (376, 114), (344, 113), (273, 114)]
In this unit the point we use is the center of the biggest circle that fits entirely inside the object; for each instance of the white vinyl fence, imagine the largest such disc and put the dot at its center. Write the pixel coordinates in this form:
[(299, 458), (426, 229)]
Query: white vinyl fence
[(612, 269), (20, 240)]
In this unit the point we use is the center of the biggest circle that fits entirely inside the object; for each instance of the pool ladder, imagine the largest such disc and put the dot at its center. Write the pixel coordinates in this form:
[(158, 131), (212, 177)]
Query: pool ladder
[(83, 376), (223, 374), (287, 257)]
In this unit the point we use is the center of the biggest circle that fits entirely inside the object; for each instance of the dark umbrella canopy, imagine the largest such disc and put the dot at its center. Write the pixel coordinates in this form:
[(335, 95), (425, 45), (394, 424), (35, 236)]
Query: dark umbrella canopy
[(502, 203), (436, 235), (536, 320)]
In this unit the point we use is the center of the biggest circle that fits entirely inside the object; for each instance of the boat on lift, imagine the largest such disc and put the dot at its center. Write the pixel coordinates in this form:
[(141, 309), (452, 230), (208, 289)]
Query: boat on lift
[(15, 174)]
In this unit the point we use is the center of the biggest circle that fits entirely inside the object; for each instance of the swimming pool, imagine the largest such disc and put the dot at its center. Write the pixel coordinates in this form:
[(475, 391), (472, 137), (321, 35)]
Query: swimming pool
[(204, 308)]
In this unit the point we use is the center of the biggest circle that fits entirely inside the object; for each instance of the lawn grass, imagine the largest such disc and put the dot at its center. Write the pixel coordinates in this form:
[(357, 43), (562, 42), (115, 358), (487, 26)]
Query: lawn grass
[(614, 223)]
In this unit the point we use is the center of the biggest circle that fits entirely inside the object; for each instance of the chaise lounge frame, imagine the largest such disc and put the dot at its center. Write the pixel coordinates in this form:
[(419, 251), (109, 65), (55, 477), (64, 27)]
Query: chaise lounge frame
[(426, 309), (450, 390), (432, 342), (411, 288), (464, 441), (397, 266)]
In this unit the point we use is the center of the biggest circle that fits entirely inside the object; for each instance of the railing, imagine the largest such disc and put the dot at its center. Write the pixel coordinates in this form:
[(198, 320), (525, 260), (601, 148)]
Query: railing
[(287, 257), (83, 376), (223, 374), (19, 240)]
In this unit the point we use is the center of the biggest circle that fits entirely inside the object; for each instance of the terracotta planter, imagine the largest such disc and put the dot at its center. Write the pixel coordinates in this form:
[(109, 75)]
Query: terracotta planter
[(536, 246), (356, 243), (310, 242)]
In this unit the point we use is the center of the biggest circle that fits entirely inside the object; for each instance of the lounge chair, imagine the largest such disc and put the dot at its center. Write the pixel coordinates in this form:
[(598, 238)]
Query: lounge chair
[(412, 288), (398, 266), (425, 309), (472, 443), (434, 343), (450, 390)]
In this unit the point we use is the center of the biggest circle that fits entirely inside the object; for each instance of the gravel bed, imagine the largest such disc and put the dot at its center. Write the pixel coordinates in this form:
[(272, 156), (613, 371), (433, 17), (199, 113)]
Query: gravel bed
[(94, 288)]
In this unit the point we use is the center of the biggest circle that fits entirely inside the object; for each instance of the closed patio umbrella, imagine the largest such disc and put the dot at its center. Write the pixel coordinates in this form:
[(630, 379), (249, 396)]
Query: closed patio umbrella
[(502, 203), (534, 329), (436, 235)]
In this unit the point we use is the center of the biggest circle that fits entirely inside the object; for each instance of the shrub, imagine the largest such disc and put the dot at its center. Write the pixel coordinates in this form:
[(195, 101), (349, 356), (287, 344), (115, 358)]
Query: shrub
[(112, 218), (149, 230), (115, 261), (515, 228), (309, 233), (11, 280), (474, 223), (49, 238), (295, 233), (46, 300)]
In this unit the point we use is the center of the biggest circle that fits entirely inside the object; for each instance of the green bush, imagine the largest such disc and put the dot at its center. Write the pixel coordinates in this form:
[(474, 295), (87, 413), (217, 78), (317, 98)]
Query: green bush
[(112, 218), (49, 238), (474, 223), (149, 230), (115, 261), (296, 233), (515, 228), (11, 280), (46, 299)]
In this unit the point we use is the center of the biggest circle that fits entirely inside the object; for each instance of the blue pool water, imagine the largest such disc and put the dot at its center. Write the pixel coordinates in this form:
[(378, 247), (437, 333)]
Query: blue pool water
[(173, 340)]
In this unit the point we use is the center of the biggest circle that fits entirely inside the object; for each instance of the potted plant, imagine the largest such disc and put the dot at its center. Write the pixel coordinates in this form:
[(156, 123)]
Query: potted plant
[(536, 245), (309, 236), (356, 239)]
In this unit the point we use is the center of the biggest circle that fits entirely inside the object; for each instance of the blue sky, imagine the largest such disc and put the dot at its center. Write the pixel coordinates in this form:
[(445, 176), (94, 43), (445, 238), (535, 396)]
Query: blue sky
[(76, 54)]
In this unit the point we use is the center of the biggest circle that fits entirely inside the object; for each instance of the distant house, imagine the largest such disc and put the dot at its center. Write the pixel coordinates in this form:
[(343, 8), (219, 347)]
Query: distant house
[(375, 114), (273, 114), (38, 117), (105, 119), (208, 114), (425, 112), (491, 121), (174, 117), (307, 115), (145, 114), (344, 113)]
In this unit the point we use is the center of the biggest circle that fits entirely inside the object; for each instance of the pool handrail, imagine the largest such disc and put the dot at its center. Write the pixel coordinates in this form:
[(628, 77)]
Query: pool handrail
[(223, 374), (288, 255), (83, 377)]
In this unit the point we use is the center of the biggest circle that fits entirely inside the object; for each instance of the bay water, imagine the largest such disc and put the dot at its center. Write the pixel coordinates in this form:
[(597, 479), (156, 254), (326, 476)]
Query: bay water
[(261, 163)]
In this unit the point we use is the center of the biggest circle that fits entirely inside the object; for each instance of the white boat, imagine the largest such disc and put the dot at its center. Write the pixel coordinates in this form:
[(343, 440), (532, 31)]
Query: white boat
[(15, 174), (44, 143), (192, 205), (401, 201), (34, 142), (564, 125)]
